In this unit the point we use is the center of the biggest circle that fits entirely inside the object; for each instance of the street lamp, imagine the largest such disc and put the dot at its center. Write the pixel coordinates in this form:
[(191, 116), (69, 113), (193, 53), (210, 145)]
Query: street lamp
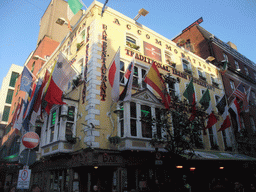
[(142, 12)]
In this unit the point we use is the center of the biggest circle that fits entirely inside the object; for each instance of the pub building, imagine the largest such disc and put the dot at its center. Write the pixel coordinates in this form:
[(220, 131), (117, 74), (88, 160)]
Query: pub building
[(92, 141)]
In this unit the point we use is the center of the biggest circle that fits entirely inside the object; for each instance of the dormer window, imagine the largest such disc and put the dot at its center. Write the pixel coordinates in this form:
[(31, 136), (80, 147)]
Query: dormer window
[(246, 71)]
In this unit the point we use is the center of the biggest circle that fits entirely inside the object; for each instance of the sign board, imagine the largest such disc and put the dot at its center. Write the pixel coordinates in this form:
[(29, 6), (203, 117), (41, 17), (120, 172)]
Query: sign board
[(198, 21), (28, 157), (30, 140), (24, 179)]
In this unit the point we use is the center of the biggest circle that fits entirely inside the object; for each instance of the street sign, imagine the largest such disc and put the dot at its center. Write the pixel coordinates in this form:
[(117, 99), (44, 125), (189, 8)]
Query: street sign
[(28, 157), (24, 179), (30, 140)]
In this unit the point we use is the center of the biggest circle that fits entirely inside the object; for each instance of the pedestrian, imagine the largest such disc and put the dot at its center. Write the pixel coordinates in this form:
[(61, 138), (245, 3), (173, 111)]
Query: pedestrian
[(238, 187), (13, 188), (35, 188), (252, 188)]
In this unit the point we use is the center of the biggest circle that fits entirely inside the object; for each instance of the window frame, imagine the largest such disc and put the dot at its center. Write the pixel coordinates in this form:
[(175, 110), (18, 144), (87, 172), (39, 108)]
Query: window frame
[(225, 56), (232, 85), (188, 68), (130, 44)]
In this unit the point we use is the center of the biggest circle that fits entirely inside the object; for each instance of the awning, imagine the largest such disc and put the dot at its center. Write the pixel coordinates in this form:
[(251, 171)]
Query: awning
[(220, 155)]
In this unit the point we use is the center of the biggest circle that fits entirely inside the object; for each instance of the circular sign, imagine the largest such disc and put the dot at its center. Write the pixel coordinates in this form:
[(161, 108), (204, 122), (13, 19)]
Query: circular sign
[(28, 157), (30, 140)]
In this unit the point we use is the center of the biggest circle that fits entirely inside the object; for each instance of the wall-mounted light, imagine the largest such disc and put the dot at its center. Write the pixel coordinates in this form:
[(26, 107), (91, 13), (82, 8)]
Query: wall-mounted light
[(221, 168), (210, 58), (62, 21), (192, 168), (142, 12), (179, 166), (36, 57), (238, 69)]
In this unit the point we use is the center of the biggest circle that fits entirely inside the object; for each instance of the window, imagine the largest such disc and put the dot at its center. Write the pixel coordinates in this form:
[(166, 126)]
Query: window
[(186, 66), (18, 88), (169, 59), (254, 73), (201, 75), (253, 96), (232, 85), (6, 113), (214, 82), (70, 121), (217, 99), (122, 72), (246, 71), (225, 57), (252, 124), (224, 136), (137, 115), (9, 96), (14, 77), (213, 141), (132, 42), (33, 67), (242, 122), (138, 76), (237, 65), (15, 147), (52, 124)]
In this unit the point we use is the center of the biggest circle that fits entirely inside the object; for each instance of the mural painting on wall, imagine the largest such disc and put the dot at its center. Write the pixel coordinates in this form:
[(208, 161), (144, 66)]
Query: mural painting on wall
[(152, 51)]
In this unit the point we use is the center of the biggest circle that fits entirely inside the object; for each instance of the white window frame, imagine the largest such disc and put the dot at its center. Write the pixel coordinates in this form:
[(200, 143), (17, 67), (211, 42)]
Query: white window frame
[(171, 57), (188, 65), (128, 34), (225, 56), (237, 65), (200, 70), (232, 85), (252, 124), (246, 71), (126, 119)]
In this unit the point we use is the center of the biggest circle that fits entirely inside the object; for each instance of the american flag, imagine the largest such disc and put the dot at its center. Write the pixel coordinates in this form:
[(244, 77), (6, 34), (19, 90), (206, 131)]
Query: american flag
[(242, 95)]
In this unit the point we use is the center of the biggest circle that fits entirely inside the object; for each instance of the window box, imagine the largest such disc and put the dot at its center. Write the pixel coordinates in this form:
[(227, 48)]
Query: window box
[(132, 45), (71, 139), (202, 78), (114, 140), (188, 71), (215, 84), (171, 63)]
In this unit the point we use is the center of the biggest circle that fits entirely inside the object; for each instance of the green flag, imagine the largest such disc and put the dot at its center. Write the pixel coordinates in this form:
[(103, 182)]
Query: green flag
[(205, 100), (189, 93), (75, 5), (225, 67)]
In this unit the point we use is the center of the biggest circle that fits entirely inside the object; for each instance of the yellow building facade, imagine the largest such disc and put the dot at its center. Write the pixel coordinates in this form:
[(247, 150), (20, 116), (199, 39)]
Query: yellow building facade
[(75, 142)]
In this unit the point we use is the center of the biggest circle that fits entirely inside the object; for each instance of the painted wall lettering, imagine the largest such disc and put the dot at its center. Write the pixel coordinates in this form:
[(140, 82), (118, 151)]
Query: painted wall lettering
[(103, 85), (158, 42), (116, 21)]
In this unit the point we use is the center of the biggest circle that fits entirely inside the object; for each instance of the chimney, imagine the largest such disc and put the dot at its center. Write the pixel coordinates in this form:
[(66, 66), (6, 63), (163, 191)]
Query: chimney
[(232, 45)]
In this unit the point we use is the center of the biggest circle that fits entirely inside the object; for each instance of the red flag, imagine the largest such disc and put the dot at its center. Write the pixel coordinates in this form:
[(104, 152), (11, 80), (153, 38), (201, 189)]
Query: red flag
[(155, 80), (114, 76)]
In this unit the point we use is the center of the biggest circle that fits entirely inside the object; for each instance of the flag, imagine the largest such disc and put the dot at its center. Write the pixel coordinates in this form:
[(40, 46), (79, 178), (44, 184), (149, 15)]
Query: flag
[(225, 67), (14, 117), (37, 105), (189, 94), (240, 93), (246, 104), (19, 118), (127, 92), (103, 8), (114, 76), (26, 80), (205, 101), (29, 111), (223, 111), (236, 109), (28, 98), (154, 79), (62, 74), (73, 7)]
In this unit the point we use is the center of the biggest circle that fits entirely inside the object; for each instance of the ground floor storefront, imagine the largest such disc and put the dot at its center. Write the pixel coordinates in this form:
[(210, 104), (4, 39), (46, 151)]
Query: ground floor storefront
[(123, 171)]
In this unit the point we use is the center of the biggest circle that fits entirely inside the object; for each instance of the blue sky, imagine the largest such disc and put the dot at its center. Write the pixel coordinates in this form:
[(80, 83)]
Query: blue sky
[(229, 20)]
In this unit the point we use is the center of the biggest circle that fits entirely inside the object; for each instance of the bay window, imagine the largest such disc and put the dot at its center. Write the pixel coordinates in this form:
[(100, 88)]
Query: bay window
[(135, 120)]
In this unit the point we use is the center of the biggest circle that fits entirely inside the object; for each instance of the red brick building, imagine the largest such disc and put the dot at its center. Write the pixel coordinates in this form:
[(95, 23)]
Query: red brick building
[(241, 71)]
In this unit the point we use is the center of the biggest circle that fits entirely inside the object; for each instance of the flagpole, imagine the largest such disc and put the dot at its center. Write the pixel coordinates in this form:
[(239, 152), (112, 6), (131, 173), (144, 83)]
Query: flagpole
[(111, 62), (83, 3), (234, 91)]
